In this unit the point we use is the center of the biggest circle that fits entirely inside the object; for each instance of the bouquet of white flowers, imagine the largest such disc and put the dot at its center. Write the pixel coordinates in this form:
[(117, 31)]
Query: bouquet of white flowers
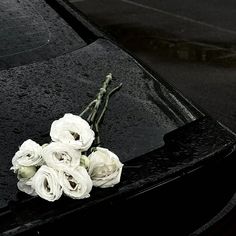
[(74, 161)]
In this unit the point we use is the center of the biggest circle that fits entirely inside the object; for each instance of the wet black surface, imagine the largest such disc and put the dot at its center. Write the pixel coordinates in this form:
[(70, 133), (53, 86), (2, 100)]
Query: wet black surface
[(31, 31), (191, 44), (148, 113), (65, 85), (165, 182)]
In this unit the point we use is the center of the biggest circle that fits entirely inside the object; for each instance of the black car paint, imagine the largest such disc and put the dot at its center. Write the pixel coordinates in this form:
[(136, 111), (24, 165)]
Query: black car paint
[(64, 83)]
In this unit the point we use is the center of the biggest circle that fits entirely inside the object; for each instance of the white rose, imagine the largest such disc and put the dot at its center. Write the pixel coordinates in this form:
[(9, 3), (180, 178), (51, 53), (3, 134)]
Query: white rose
[(26, 187), (76, 183), (72, 130), (46, 185), (29, 154), (104, 168), (57, 155)]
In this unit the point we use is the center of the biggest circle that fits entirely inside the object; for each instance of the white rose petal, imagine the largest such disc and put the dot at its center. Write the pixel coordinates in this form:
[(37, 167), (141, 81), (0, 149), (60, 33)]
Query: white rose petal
[(46, 185), (76, 183), (29, 154), (57, 155), (72, 130), (104, 168), (26, 187)]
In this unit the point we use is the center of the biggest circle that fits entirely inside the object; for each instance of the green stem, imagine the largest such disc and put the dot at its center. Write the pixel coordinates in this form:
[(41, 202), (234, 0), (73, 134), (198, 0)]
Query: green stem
[(96, 125), (87, 108), (98, 99)]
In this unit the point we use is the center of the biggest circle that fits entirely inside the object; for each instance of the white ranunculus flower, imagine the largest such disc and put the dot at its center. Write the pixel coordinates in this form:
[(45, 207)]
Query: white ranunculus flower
[(76, 183), (46, 185), (26, 187), (29, 154), (104, 168), (72, 130), (57, 155)]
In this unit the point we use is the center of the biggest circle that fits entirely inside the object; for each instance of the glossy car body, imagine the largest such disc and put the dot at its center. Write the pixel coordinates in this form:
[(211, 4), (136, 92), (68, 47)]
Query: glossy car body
[(52, 62)]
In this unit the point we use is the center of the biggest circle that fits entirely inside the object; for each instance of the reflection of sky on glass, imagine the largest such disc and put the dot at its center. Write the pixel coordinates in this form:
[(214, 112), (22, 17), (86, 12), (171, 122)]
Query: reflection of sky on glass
[(22, 28)]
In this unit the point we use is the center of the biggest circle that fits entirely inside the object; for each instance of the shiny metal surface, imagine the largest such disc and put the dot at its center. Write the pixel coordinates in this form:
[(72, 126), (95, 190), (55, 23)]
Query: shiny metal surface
[(191, 44)]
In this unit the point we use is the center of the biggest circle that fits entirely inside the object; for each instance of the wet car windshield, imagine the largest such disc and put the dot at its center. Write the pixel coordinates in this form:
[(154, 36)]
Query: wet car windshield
[(31, 31)]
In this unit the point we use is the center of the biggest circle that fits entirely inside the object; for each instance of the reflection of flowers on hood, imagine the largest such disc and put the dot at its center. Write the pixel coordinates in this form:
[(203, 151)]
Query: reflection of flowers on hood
[(29, 154), (76, 183), (104, 168), (46, 185), (72, 130), (57, 155)]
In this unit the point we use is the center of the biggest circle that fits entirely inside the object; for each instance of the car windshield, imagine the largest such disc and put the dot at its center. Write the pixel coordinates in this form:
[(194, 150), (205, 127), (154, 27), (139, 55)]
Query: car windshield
[(31, 31)]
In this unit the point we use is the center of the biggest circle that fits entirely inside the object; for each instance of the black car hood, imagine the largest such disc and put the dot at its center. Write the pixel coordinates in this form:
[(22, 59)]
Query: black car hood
[(154, 130), (34, 95)]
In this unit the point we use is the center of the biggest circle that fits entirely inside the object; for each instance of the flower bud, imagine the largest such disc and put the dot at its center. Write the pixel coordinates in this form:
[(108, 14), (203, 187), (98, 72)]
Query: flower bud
[(26, 172), (84, 161)]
